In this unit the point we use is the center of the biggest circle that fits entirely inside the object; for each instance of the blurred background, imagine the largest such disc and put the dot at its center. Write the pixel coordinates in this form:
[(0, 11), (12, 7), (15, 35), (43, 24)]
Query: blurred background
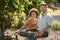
[(14, 13)]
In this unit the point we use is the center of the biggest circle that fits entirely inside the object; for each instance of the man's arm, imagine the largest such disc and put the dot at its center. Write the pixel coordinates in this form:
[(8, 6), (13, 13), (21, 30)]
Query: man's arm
[(47, 28), (49, 23)]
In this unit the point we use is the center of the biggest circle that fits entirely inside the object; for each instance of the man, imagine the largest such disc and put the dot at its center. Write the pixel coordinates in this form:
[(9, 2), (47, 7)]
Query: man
[(45, 21)]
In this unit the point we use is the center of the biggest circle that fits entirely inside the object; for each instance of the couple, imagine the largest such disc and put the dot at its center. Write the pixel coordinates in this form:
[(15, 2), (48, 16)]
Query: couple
[(43, 22)]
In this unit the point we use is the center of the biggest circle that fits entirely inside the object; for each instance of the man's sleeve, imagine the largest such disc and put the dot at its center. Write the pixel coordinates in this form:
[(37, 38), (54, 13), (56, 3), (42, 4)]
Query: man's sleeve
[(49, 20)]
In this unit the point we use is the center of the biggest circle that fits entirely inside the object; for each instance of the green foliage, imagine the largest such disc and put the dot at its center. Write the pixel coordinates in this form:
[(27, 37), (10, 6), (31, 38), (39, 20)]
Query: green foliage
[(8, 38), (56, 27), (17, 9), (15, 12), (51, 2), (31, 4)]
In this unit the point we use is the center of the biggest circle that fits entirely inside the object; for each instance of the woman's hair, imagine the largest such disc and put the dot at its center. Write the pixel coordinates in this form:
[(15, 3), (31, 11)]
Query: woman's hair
[(33, 10)]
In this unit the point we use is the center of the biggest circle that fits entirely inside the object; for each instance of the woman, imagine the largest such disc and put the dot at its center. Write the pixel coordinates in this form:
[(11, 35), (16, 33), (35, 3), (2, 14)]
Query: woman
[(31, 22)]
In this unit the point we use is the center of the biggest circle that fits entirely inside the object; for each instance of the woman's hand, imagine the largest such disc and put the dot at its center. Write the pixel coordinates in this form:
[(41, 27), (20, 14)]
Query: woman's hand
[(18, 31), (34, 27)]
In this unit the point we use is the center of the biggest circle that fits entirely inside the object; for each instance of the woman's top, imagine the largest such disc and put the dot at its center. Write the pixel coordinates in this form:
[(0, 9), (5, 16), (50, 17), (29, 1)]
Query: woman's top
[(32, 24)]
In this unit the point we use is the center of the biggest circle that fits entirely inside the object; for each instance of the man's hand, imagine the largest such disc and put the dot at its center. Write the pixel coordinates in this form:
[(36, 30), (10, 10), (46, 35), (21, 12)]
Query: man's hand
[(41, 32)]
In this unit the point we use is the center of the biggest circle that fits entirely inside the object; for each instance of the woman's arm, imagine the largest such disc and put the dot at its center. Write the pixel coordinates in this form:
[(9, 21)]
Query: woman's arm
[(35, 27), (24, 26), (18, 31)]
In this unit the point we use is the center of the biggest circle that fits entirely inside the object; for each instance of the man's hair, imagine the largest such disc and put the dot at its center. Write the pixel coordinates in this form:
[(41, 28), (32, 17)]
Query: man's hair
[(43, 4)]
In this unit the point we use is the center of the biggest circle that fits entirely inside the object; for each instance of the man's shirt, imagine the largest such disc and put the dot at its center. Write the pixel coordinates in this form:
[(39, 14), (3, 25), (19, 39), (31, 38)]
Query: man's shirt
[(44, 20)]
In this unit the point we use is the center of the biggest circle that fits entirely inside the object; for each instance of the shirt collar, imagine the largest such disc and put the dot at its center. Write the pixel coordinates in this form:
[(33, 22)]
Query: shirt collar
[(44, 14)]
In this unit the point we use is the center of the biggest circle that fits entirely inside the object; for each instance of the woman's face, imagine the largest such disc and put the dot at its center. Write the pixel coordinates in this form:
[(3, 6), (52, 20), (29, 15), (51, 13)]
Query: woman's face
[(33, 14)]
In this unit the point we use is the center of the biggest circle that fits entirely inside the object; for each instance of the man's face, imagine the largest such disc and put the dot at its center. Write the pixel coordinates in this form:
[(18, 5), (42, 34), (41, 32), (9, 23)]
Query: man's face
[(43, 8)]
